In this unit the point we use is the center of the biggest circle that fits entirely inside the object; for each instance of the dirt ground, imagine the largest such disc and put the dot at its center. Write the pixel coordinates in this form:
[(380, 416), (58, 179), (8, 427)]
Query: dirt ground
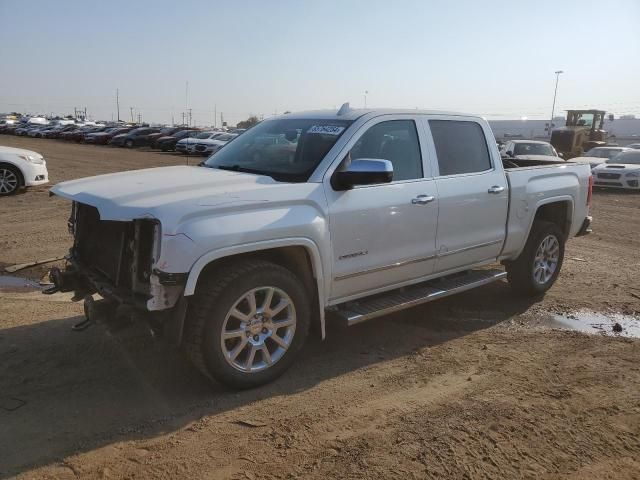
[(475, 386)]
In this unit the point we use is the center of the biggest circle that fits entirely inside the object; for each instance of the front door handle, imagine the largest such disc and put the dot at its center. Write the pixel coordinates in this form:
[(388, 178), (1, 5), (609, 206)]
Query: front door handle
[(496, 189), (422, 199)]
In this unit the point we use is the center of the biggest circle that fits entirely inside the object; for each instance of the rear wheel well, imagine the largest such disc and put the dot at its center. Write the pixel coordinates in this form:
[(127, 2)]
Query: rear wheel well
[(558, 213), (14, 167)]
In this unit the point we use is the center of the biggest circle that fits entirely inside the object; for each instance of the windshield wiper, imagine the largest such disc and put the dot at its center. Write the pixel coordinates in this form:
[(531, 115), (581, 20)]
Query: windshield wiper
[(238, 168)]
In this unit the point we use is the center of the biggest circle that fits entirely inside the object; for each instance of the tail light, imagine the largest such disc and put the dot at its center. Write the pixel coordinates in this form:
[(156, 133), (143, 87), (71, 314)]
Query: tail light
[(590, 192)]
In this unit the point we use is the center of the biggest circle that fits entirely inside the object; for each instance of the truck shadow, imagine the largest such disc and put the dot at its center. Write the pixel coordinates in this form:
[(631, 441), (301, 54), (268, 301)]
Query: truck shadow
[(63, 393)]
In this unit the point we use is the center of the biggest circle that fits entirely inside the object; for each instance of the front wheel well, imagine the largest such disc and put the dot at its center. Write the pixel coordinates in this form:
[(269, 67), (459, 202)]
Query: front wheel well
[(296, 259), (558, 213)]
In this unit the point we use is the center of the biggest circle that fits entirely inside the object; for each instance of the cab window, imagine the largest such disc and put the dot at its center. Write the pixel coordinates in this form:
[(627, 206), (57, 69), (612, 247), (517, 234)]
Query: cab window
[(396, 141), (461, 147)]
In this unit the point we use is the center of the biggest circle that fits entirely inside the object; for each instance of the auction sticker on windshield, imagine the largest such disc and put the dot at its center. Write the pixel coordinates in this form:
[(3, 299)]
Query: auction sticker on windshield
[(326, 129)]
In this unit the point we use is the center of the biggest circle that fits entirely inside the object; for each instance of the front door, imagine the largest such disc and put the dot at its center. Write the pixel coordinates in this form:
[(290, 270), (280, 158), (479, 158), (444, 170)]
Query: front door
[(383, 235)]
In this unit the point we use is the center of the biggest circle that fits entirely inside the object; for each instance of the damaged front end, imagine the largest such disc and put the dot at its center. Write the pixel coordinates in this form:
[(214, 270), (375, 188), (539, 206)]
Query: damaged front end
[(117, 259)]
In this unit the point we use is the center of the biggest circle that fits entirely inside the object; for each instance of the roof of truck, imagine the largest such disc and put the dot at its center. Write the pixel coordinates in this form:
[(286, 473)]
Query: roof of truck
[(355, 113)]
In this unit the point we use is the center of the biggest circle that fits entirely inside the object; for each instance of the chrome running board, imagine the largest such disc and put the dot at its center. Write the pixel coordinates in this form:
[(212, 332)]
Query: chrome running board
[(385, 303)]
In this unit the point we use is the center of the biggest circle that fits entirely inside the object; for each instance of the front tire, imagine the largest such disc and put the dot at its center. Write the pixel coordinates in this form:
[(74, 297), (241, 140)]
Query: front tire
[(128, 144), (10, 180), (538, 266), (247, 322)]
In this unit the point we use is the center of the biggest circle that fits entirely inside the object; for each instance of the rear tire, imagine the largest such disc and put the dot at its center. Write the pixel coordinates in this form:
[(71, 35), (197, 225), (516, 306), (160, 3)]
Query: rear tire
[(538, 266), (241, 345), (10, 180)]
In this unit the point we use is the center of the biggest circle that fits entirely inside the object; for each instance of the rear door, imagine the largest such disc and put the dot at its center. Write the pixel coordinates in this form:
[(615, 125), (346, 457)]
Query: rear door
[(472, 192)]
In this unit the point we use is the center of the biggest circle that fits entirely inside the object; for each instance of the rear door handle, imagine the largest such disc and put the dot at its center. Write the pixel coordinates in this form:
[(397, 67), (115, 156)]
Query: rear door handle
[(496, 189), (422, 199)]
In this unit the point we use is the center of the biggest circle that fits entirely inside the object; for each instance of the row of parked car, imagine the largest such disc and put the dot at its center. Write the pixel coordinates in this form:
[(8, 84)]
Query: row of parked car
[(611, 165), (186, 140)]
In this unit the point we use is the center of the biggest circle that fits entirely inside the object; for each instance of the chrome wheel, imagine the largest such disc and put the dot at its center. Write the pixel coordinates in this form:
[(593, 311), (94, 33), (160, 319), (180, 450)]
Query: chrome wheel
[(546, 260), (258, 329), (8, 181)]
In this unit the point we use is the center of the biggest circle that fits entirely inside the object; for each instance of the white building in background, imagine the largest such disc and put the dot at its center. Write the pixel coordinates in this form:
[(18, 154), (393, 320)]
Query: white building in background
[(623, 130)]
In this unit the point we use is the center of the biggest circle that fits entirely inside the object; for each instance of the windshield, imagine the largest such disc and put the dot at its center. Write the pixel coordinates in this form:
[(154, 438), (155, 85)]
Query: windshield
[(632, 158), (285, 149), (204, 135), (603, 152), (533, 149)]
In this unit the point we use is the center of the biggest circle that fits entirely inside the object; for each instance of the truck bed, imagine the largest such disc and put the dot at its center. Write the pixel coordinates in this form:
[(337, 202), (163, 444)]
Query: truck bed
[(534, 182)]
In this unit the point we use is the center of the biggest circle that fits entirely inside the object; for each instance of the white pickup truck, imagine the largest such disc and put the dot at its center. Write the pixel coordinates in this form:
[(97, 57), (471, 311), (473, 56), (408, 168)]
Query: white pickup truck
[(349, 216)]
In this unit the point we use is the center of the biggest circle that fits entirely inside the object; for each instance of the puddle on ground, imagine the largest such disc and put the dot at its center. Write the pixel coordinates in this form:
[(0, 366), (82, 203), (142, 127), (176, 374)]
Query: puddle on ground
[(611, 324), (9, 283)]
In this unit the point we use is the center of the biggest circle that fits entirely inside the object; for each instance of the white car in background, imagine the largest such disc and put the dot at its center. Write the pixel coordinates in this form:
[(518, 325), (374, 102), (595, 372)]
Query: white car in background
[(213, 144), (21, 168), (599, 155), (530, 150), (621, 171), (187, 145), (635, 146)]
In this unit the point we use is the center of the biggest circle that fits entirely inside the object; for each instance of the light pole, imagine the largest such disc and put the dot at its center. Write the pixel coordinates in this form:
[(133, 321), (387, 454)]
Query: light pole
[(365, 98), (553, 107)]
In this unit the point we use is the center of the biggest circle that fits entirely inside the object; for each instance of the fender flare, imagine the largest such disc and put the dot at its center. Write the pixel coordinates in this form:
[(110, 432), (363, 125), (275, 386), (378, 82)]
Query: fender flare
[(546, 201), (308, 244)]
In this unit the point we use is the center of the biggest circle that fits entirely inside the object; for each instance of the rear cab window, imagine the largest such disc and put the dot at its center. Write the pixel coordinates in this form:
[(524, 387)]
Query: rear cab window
[(461, 147)]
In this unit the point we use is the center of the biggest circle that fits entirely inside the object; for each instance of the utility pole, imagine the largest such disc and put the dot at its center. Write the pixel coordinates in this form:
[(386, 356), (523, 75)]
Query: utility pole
[(131, 109), (215, 115), (186, 98), (118, 102), (139, 118), (553, 107), (221, 119), (190, 118), (365, 98)]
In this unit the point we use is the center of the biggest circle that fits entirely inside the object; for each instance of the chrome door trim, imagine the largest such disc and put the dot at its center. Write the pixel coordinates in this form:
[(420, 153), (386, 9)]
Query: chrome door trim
[(401, 263), (460, 250)]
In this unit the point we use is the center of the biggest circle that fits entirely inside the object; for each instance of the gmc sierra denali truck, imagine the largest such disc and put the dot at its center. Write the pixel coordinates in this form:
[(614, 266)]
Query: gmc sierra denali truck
[(314, 217)]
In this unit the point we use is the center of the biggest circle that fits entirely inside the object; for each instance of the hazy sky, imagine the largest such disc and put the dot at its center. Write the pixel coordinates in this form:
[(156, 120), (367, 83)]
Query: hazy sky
[(494, 58)]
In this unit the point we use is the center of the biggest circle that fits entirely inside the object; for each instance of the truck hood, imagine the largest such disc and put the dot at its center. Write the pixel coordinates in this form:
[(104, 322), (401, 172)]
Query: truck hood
[(173, 194)]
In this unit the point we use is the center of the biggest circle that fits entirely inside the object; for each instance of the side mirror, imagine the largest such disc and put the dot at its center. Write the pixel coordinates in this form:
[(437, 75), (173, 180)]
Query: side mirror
[(509, 154), (363, 171), (291, 135), (561, 155)]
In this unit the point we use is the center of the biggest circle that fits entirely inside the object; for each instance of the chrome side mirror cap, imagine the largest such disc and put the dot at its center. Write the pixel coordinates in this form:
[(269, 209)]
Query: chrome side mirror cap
[(363, 171)]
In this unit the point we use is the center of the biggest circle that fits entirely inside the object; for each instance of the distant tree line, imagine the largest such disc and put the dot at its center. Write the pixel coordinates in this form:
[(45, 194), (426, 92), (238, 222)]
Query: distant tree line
[(249, 122)]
